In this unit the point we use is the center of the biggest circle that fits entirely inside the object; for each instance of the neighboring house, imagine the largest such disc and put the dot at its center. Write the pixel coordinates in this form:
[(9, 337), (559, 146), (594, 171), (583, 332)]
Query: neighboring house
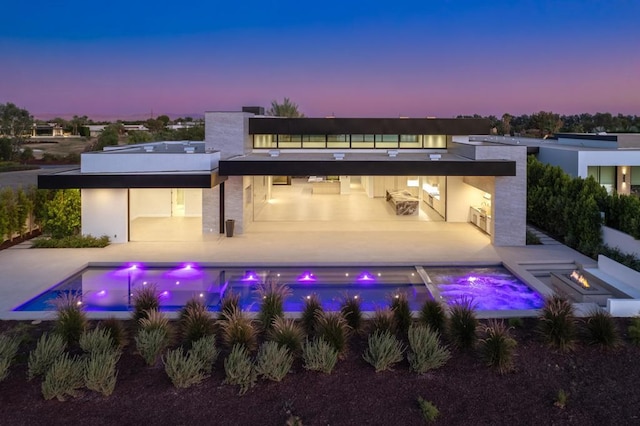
[(426, 168), (47, 130), (613, 159), (181, 125), (96, 129)]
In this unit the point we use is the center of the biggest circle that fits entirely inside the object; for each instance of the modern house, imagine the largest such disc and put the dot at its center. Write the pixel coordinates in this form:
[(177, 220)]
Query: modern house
[(253, 168), (46, 130), (613, 159)]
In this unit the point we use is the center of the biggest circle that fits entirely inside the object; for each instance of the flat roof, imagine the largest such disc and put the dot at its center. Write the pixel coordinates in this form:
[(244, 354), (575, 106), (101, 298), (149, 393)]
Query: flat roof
[(365, 164)]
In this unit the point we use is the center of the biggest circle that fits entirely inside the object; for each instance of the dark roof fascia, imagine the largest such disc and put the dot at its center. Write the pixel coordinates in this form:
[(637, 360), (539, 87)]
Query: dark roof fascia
[(590, 137), (66, 181), (367, 168), (389, 126)]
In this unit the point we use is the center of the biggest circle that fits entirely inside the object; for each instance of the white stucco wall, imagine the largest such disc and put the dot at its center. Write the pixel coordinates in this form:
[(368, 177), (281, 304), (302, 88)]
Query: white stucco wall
[(104, 212), (606, 158), (138, 162)]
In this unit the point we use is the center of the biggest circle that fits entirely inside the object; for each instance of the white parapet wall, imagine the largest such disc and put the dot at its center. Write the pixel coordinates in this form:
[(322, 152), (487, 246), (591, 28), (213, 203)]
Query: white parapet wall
[(623, 278), (104, 212), (624, 242)]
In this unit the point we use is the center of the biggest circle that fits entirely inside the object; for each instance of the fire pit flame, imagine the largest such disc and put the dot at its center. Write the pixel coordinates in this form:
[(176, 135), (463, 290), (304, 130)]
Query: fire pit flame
[(578, 278)]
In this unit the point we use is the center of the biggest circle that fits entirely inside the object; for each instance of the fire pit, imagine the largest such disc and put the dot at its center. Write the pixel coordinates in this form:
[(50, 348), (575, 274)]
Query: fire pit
[(580, 287)]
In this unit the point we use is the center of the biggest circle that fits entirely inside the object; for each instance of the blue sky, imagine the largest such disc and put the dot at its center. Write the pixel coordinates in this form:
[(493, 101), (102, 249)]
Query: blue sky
[(371, 58)]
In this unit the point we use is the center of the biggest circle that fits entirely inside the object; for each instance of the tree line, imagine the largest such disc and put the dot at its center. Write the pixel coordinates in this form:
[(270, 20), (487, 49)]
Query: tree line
[(547, 123)]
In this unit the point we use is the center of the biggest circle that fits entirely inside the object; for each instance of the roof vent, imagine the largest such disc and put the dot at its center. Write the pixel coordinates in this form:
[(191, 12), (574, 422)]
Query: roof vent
[(274, 152), (189, 149), (338, 155), (435, 157), (392, 153), (148, 148)]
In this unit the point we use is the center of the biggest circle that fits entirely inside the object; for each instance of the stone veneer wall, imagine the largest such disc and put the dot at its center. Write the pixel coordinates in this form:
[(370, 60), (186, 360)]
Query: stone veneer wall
[(509, 199), (227, 132)]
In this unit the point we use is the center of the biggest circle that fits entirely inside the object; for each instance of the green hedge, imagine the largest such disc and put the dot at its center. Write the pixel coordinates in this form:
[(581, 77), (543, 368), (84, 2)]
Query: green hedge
[(75, 241)]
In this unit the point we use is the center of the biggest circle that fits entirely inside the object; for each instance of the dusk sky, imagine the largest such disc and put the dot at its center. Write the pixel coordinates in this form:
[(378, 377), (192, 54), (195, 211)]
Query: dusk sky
[(348, 58)]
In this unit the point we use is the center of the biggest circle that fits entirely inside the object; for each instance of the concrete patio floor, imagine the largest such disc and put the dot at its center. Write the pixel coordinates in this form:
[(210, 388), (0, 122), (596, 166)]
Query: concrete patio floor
[(25, 272)]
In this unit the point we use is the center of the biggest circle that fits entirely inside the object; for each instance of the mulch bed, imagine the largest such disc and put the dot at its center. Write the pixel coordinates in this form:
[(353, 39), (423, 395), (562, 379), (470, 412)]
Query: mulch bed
[(602, 389), (20, 239)]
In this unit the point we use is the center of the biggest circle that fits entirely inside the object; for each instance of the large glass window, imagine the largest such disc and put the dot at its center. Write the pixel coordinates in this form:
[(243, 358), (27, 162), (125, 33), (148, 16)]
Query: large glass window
[(362, 141), (410, 141), (337, 141), (264, 141), (314, 141), (386, 141), (289, 141), (434, 141), (604, 175)]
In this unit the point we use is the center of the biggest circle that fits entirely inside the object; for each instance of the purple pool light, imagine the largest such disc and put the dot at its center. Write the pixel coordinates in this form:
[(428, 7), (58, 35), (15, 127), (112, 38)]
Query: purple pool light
[(249, 276), (365, 277), (307, 277), (102, 293)]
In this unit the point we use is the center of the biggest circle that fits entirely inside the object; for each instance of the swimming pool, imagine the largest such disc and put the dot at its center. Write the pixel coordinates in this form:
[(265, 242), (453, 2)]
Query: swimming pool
[(110, 288)]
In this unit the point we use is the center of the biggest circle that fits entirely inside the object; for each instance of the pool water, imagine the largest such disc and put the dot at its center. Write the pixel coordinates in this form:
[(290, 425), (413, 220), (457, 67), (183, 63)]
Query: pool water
[(492, 288), (110, 289)]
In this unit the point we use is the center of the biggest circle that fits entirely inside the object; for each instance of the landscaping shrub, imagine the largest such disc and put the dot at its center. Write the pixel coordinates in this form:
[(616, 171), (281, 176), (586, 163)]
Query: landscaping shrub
[(426, 353), (333, 328), (238, 329), (155, 320), (8, 350), (432, 314), (184, 369), (96, 340), (205, 350), (64, 378), (429, 411), (312, 309), (601, 330), (230, 302), (151, 343), (384, 350), (561, 399), (287, 333), (557, 323), (318, 355), (497, 346), (399, 304), (49, 348), (196, 303), (195, 323), (100, 373), (71, 320), (73, 241), (383, 320), (145, 299), (515, 322), (532, 239), (239, 369), (272, 295), (463, 324), (116, 331), (352, 311), (634, 331), (273, 361)]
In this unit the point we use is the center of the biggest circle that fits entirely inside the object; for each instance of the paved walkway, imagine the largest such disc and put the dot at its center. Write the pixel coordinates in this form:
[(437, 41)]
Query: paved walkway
[(544, 238), (24, 272)]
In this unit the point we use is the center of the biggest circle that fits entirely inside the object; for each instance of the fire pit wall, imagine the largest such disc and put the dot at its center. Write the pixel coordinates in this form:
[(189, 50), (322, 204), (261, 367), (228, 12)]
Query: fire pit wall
[(582, 287)]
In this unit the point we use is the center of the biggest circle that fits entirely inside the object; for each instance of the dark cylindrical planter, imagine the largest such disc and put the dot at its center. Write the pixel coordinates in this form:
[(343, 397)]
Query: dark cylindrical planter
[(230, 224)]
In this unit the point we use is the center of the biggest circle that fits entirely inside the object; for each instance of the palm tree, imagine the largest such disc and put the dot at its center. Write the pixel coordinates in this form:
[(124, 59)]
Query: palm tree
[(285, 109)]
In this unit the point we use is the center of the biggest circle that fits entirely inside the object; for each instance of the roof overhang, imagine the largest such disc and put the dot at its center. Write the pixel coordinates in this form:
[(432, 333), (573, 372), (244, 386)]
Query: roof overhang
[(75, 179), (449, 165), (337, 126)]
